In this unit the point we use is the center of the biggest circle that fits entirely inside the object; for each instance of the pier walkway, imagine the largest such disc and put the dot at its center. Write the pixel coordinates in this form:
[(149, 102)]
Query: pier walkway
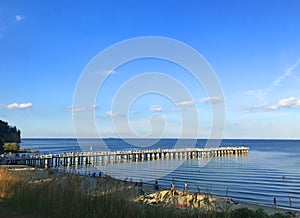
[(84, 158)]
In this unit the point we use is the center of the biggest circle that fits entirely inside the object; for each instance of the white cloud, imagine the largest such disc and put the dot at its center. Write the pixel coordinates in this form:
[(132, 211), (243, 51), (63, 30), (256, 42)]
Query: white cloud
[(19, 18), (155, 108), (134, 112), (83, 109), (186, 103), (16, 106), (6, 23), (291, 102), (109, 72), (105, 72), (212, 100), (112, 114)]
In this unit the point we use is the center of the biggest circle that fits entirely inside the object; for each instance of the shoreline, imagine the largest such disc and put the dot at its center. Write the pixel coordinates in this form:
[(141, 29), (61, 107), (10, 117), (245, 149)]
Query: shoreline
[(257, 185), (250, 205), (270, 210), (149, 191), (148, 195)]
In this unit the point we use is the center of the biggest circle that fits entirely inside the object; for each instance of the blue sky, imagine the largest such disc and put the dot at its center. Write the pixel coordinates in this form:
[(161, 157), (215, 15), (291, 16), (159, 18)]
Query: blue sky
[(253, 47)]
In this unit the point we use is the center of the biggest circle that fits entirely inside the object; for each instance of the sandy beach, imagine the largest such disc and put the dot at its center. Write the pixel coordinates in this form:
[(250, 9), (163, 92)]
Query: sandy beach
[(146, 194), (203, 201)]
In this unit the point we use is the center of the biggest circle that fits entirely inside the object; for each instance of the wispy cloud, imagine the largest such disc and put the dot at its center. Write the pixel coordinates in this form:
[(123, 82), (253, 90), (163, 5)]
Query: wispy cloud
[(5, 23), (212, 100), (291, 102), (16, 106), (186, 103), (283, 76), (156, 108), (110, 114), (19, 18), (113, 114), (82, 109), (134, 112), (108, 72), (260, 93)]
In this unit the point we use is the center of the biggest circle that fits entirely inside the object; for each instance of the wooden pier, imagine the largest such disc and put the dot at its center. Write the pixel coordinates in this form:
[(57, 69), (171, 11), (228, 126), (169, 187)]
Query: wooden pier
[(85, 158)]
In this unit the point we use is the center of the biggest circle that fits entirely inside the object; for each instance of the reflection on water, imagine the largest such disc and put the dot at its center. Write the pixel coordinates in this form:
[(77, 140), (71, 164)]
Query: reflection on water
[(270, 170)]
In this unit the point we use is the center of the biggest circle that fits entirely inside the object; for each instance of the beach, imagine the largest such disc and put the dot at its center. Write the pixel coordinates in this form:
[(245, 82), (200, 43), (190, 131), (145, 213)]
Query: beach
[(132, 192), (204, 202)]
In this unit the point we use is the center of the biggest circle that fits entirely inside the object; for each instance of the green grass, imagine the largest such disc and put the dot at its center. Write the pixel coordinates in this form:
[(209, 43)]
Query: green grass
[(44, 194)]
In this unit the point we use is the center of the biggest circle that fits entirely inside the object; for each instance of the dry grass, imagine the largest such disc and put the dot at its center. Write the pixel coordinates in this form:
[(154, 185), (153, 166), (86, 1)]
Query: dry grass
[(7, 182), (45, 194), (42, 193)]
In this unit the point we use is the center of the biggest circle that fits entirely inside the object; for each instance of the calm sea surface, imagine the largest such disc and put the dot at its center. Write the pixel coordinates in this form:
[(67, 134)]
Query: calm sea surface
[(271, 169)]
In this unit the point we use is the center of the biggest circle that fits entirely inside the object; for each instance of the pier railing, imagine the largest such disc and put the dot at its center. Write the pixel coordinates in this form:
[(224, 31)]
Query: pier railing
[(84, 158)]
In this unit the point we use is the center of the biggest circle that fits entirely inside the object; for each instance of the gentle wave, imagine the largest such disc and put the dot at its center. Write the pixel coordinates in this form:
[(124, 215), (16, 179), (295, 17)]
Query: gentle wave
[(270, 170)]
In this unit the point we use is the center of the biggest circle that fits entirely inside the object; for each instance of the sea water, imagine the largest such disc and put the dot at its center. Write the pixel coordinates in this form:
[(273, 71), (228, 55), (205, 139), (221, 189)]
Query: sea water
[(271, 169)]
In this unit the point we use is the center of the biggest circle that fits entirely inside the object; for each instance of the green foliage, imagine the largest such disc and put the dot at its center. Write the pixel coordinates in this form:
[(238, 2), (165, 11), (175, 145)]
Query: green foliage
[(242, 212), (11, 146), (8, 134), (260, 213), (278, 215)]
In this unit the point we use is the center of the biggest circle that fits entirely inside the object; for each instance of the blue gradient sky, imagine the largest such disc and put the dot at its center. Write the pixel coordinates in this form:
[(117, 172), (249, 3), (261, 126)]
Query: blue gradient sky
[(253, 46)]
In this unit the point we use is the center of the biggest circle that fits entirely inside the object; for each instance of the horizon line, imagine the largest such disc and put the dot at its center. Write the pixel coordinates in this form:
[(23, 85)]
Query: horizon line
[(161, 138)]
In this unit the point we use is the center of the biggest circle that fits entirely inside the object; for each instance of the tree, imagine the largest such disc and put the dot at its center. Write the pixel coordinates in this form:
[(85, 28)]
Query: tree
[(9, 134)]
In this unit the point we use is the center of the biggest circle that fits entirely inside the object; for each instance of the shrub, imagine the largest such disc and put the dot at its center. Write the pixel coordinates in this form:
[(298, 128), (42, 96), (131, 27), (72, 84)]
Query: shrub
[(11, 146)]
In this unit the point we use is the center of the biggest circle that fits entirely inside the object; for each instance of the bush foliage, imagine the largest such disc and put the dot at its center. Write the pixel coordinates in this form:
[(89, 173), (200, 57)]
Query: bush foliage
[(11, 146)]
